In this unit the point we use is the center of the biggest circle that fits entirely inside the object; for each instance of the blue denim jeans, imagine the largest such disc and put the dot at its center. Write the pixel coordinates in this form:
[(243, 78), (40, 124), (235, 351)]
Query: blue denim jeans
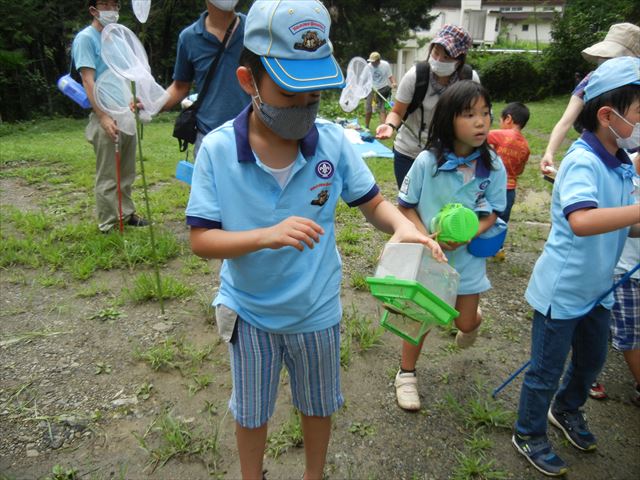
[(401, 166), (551, 340), (511, 198)]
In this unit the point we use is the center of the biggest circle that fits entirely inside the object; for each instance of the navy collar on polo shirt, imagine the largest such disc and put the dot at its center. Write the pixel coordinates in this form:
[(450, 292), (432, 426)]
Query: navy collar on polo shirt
[(603, 154), (481, 170), (308, 144)]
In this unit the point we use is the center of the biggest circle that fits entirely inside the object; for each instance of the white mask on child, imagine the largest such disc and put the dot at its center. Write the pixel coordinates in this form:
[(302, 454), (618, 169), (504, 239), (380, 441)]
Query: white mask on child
[(632, 141), (108, 16), (226, 5)]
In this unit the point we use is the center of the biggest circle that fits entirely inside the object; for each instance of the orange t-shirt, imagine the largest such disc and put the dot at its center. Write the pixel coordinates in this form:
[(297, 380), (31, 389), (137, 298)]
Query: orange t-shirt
[(513, 149)]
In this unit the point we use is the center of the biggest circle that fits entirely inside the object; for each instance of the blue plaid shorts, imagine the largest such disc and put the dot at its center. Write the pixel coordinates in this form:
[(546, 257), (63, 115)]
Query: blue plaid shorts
[(625, 315), (312, 360)]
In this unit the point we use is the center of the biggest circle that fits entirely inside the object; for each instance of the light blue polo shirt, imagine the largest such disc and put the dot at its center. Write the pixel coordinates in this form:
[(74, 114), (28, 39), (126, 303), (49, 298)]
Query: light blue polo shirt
[(573, 272), (85, 50), (283, 290), (485, 192), (197, 48)]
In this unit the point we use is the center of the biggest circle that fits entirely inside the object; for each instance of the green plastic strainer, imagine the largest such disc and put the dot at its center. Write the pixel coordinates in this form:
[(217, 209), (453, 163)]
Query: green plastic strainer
[(455, 223)]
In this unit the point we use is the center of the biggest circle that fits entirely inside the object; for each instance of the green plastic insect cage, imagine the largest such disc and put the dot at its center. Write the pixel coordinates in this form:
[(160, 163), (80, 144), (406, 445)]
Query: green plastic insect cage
[(416, 291), (455, 223)]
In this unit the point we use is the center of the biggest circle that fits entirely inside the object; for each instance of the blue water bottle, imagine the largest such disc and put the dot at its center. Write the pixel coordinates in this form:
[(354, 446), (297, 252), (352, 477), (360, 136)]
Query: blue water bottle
[(73, 90)]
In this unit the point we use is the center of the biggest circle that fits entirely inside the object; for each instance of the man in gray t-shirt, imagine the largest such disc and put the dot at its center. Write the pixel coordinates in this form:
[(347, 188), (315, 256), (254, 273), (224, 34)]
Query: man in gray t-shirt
[(383, 82)]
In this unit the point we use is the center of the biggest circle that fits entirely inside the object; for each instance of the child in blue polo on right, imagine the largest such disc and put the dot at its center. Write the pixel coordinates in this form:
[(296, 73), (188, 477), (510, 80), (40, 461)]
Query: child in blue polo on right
[(592, 213)]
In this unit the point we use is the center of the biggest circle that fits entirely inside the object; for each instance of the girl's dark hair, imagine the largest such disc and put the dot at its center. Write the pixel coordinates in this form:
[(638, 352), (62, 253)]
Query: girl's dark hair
[(456, 99), (252, 62), (619, 98), (461, 59)]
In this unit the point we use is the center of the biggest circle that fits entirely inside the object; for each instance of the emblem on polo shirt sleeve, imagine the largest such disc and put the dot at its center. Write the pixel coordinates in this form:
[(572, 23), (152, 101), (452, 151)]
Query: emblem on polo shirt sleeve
[(324, 169)]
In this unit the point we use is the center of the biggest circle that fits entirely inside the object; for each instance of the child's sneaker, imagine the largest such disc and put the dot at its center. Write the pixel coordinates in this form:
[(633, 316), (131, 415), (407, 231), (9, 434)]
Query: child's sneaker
[(465, 340), (575, 428), (406, 384), (597, 391), (540, 454)]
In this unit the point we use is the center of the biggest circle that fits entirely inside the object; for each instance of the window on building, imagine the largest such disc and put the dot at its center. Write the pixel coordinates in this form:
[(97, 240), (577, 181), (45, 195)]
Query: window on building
[(516, 9), (505, 9), (548, 9), (525, 27)]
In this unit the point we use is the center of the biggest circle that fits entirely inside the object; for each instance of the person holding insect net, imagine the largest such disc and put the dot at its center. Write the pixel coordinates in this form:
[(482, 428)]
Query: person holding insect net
[(592, 213), (419, 91), (102, 131), (263, 198), (383, 82)]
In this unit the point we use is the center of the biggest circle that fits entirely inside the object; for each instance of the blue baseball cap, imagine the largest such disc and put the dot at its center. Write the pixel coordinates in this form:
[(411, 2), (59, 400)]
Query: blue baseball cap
[(292, 39), (612, 74)]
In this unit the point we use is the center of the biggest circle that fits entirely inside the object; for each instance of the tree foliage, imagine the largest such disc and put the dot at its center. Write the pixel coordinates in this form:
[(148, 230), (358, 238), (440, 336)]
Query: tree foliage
[(583, 23), (36, 36)]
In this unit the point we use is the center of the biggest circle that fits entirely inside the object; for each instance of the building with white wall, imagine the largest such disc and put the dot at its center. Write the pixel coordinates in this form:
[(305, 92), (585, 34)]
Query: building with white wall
[(485, 20)]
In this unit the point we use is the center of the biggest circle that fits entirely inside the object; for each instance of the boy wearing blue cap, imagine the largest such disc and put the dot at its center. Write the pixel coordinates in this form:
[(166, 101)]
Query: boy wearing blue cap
[(591, 210), (263, 198)]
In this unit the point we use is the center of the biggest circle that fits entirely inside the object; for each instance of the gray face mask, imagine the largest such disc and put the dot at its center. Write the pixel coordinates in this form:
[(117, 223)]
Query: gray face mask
[(292, 123)]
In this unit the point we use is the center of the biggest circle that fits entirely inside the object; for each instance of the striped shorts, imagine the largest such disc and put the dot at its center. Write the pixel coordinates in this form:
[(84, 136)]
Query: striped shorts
[(312, 360), (625, 315)]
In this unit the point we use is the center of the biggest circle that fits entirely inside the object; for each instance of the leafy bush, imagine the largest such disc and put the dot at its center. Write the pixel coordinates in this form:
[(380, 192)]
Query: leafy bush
[(513, 77)]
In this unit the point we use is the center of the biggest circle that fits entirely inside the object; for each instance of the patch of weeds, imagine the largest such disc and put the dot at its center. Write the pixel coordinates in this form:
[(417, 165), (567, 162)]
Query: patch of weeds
[(108, 313), (450, 348), (162, 356), (448, 330), (194, 264), (49, 280), (358, 282), (145, 288), (346, 347), (58, 472), (171, 437), (289, 436), (144, 391), (486, 412), (28, 336), (478, 443), (367, 333), (445, 378), (101, 368), (92, 290), (200, 382), (173, 353), (210, 408), (362, 429), (82, 268), (477, 467)]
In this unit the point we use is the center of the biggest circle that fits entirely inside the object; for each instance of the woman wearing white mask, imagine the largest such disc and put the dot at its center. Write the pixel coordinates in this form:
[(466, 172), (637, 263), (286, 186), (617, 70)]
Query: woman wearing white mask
[(419, 91)]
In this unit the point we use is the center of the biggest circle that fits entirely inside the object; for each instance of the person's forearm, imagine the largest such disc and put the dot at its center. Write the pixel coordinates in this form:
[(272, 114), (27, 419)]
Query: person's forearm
[(560, 130), (486, 223), (412, 215), (217, 243), (594, 221), (177, 91)]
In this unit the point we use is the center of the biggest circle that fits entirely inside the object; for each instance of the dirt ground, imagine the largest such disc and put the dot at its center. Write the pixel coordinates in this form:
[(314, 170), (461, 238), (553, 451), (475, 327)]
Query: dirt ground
[(76, 396)]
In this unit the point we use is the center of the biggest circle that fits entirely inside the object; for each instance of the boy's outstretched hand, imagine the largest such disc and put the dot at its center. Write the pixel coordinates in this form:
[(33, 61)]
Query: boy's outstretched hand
[(292, 232), (410, 234)]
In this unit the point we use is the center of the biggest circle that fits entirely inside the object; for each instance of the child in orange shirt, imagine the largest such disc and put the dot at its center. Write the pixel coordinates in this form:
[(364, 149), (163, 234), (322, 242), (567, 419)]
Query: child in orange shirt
[(512, 147)]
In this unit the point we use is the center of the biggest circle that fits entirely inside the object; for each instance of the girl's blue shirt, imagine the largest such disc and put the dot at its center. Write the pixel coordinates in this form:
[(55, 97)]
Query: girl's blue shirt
[(485, 192)]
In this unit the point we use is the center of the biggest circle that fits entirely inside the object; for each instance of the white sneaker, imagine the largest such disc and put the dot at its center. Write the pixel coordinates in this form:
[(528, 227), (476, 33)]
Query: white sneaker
[(465, 340), (407, 391)]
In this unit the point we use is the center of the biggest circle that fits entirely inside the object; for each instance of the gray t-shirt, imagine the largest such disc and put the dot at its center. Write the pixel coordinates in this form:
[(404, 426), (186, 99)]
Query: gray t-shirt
[(406, 143), (381, 74)]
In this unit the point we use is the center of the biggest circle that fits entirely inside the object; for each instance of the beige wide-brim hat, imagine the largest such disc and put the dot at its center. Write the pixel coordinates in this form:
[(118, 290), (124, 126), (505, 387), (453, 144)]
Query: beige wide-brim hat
[(622, 40)]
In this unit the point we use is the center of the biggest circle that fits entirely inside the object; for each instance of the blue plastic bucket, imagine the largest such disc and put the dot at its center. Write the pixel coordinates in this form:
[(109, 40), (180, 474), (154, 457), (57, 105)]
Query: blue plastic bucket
[(490, 242)]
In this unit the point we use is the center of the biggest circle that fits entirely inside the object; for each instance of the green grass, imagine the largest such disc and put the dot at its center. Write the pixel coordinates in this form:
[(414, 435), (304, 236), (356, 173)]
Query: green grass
[(288, 436)]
